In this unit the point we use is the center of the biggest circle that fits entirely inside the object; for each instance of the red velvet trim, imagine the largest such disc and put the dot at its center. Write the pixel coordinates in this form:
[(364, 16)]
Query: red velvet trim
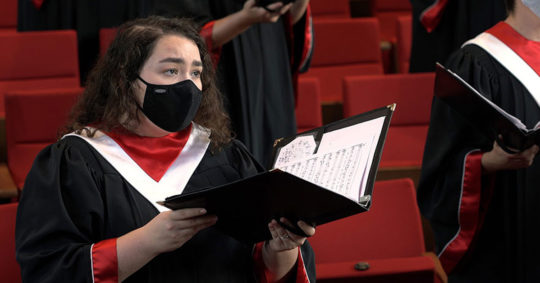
[(105, 261), (469, 212), (301, 272), (38, 3), (153, 155), (307, 45), (527, 49), (265, 276), (206, 33), (431, 16), (308, 39)]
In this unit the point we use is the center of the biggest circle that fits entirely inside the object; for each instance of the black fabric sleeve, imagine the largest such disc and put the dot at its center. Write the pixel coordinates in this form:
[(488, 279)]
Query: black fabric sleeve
[(59, 217)]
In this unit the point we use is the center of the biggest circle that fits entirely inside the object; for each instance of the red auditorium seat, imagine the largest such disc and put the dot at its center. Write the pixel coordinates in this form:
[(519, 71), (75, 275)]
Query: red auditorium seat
[(407, 134), (388, 238), (33, 119), (9, 268), (403, 43), (106, 36), (37, 60), (387, 11), (8, 16), (330, 9), (343, 47), (308, 105)]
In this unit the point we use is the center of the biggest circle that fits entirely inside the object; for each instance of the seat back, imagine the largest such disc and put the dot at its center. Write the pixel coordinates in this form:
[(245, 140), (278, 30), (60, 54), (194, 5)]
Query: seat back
[(106, 36), (8, 15), (37, 60), (403, 43), (33, 119), (408, 130), (343, 47), (308, 105), (9, 268), (387, 11), (330, 9), (390, 229), (412, 93)]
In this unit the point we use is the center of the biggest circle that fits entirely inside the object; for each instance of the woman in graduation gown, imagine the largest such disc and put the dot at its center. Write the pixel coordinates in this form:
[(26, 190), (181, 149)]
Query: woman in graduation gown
[(149, 125), (482, 201), (259, 54)]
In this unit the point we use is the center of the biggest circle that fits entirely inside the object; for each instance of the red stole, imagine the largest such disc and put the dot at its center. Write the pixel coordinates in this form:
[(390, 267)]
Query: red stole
[(153, 154), (527, 49)]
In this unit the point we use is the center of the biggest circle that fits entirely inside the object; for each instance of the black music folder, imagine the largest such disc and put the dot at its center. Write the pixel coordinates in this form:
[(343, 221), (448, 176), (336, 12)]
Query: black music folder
[(483, 114), (318, 176)]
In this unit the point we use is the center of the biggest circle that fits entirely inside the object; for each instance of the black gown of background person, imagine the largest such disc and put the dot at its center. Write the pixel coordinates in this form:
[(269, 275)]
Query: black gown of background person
[(84, 16), (254, 72), (460, 21), (505, 245), (73, 198)]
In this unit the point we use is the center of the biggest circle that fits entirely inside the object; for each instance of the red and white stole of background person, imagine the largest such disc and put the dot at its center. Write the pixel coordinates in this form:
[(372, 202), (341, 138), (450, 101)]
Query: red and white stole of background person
[(499, 44), (175, 179)]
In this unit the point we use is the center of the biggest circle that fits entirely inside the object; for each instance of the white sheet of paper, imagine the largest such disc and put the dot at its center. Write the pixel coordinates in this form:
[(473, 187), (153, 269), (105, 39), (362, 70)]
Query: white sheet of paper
[(342, 162), (299, 149)]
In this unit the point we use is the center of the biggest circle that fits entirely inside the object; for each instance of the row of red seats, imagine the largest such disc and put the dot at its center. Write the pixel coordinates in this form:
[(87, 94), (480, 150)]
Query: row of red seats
[(32, 63), (388, 240), (406, 137), (345, 47)]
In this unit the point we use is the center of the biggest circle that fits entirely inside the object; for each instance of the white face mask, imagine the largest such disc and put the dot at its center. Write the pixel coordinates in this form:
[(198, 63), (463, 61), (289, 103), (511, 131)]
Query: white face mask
[(534, 5)]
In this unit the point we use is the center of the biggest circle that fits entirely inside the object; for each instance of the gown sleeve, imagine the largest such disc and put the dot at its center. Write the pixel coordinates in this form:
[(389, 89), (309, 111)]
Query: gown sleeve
[(60, 220), (452, 191), (301, 42), (304, 271)]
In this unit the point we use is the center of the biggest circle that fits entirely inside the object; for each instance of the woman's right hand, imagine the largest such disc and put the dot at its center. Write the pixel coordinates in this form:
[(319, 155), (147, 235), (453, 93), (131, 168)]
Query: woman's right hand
[(497, 159), (170, 230), (167, 232)]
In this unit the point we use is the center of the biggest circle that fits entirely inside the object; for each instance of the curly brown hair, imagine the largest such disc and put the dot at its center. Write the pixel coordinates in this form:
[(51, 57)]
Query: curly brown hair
[(109, 97)]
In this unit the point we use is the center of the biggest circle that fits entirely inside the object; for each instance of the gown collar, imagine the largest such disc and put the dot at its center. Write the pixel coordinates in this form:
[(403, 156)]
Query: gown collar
[(153, 154)]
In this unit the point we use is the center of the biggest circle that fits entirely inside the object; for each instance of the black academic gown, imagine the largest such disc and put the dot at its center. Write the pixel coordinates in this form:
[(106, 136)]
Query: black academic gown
[(74, 198), (255, 72), (505, 244), (460, 21)]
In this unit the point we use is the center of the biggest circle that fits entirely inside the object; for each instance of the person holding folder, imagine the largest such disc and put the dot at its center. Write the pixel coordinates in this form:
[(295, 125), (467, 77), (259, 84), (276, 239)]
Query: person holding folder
[(149, 125), (482, 201)]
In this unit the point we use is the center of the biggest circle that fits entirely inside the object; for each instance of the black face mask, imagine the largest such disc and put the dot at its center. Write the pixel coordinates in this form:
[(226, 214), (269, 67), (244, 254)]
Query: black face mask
[(171, 107)]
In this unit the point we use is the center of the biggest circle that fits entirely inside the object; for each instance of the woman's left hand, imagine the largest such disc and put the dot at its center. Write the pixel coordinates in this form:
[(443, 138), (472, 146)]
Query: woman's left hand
[(283, 239)]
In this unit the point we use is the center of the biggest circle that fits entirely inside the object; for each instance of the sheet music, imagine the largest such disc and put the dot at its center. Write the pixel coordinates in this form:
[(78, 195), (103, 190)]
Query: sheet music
[(342, 162), (299, 149)]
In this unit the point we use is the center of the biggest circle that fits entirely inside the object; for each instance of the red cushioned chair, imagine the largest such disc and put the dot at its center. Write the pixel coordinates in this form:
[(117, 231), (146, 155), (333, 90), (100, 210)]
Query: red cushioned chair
[(407, 134), (106, 36), (343, 47), (8, 16), (330, 9), (37, 60), (403, 43), (308, 105), (9, 268), (33, 119), (387, 11), (388, 238)]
